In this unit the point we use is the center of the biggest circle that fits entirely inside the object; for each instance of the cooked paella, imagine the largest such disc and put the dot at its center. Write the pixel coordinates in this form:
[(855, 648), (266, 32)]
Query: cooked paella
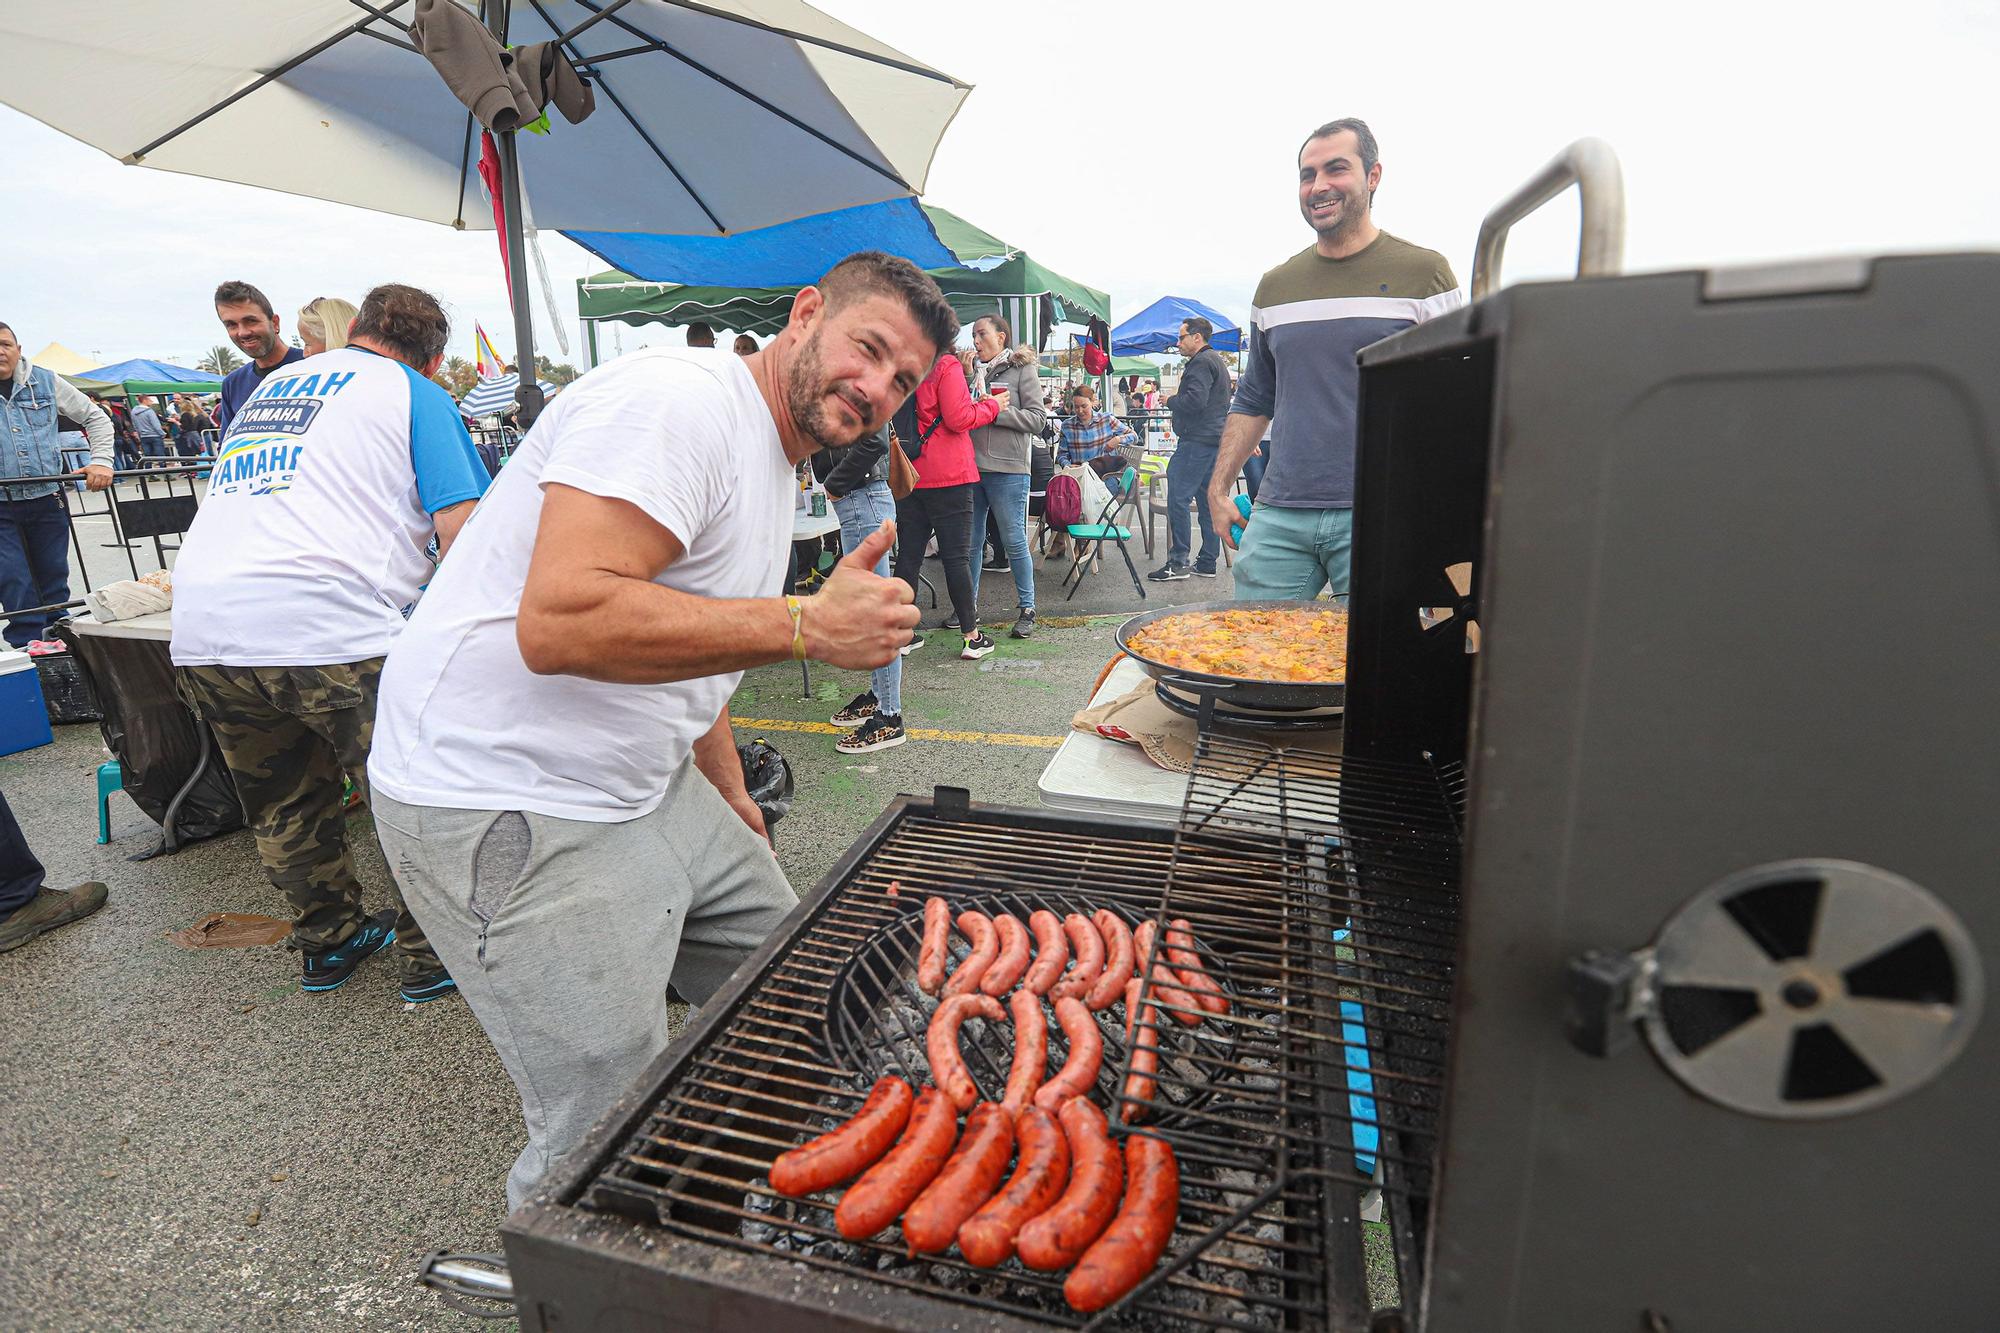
[(1300, 644)]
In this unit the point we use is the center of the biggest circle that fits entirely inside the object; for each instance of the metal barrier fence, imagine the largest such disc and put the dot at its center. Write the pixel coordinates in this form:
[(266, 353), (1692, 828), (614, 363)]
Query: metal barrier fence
[(148, 504)]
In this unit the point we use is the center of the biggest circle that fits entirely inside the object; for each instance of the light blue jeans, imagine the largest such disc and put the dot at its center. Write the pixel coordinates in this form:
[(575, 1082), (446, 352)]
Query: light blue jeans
[(1006, 493), (860, 514), (1291, 554)]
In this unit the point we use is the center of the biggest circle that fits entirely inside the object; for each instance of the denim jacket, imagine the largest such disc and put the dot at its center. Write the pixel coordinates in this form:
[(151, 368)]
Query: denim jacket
[(28, 430)]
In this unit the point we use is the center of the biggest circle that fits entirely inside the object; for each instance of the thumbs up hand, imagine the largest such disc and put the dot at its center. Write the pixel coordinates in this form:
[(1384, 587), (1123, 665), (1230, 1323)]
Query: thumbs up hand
[(858, 619)]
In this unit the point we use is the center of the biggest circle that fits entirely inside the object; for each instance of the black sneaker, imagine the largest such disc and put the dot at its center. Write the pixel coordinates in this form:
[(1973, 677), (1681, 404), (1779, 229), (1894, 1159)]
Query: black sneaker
[(327, 971), (977, 645), (1170, 572), (878, 733), (1201, 573), (997, 565), (859, 709), (1024, 626), (916, 642), (429, 986)]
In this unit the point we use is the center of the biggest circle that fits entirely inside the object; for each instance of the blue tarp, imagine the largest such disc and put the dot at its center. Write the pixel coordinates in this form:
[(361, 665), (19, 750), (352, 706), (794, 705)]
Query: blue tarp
[(1157, 328), (791, 254), (142, 371)]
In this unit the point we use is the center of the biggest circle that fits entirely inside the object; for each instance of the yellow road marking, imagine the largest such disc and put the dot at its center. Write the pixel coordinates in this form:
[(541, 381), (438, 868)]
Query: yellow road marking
[(915, 733)]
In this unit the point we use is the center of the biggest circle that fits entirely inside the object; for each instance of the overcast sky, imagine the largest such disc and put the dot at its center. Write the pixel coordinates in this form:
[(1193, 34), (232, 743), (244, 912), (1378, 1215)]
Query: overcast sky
[(1148, 149)]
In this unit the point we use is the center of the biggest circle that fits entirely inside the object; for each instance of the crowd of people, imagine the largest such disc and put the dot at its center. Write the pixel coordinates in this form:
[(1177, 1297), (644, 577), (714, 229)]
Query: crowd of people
[(527, 677)]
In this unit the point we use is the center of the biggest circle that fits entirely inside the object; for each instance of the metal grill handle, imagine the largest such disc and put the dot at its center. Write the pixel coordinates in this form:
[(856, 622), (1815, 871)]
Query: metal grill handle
[(1591, 166)]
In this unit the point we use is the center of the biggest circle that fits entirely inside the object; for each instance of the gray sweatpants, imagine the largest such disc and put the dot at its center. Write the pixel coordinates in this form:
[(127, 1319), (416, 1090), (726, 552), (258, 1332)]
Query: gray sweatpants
[(563, 935)]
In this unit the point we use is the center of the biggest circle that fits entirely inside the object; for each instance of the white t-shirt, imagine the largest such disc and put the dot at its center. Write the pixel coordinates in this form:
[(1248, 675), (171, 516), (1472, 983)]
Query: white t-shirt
[(682, 433), (311, 539)]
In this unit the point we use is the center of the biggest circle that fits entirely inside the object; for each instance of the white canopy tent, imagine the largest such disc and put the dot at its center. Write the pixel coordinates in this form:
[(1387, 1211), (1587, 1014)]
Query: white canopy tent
[(711, 118)]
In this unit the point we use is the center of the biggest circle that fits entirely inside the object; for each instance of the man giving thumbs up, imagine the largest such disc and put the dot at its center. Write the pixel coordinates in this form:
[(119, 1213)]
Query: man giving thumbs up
[(554, 774)]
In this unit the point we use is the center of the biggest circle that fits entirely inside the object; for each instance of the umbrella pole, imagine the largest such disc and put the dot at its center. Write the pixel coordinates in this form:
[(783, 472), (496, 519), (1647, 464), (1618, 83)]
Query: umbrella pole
[(530, 390)]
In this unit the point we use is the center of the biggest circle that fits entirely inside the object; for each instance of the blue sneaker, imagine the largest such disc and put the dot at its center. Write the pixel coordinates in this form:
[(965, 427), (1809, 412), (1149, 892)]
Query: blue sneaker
[(327, 971), (429, 986)]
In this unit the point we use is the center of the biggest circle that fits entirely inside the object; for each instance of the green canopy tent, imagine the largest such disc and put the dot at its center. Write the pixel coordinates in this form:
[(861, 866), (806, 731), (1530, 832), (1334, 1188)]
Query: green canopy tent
[(991, 276)]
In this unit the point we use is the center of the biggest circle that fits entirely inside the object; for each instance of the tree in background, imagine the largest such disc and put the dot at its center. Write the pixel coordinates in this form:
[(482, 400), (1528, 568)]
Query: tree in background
[(457, 375), (220, 360), (558, 375)]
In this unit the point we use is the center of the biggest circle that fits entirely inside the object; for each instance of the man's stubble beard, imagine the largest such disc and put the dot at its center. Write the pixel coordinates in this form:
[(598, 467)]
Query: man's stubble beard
[(805, 396), (1350, 219)]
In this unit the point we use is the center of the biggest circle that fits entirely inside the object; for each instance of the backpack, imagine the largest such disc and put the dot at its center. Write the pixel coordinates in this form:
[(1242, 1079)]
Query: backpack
[(904, 423), (1062, 503)]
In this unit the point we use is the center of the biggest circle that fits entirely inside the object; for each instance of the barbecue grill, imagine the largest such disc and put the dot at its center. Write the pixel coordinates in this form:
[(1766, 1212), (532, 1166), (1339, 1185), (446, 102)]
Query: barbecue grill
[(674, 1212), (1634, 946)]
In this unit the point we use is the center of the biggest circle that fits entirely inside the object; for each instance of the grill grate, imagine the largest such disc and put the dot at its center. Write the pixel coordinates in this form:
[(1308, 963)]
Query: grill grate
[(1256, 1103), (1366, 944)]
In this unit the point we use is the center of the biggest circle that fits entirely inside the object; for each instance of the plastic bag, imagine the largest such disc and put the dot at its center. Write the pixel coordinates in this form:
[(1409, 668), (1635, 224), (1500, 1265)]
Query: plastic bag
[(156, 740), (769, 779)]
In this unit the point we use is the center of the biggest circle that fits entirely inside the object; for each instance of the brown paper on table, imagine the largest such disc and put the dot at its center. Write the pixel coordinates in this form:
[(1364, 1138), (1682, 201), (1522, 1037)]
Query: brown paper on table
[(1137, 717), (232, 930)]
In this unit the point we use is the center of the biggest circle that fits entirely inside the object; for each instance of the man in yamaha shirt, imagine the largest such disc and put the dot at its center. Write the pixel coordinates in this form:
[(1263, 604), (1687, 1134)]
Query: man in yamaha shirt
[(292, 583)]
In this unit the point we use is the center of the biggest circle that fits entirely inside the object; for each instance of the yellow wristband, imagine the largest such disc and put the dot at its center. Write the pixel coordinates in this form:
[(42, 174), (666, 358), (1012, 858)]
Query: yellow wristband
[(798, 611)]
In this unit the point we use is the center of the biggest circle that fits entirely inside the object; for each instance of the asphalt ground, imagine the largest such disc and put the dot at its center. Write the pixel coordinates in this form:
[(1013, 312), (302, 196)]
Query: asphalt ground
[(187, 1141)]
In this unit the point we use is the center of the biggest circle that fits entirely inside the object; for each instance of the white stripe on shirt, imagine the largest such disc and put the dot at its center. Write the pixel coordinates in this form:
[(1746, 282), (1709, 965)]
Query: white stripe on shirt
[(1413, 309)]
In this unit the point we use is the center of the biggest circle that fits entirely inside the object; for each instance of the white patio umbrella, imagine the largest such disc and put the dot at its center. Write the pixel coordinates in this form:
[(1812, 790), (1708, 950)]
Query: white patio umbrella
[(493, 397), (712, 118)]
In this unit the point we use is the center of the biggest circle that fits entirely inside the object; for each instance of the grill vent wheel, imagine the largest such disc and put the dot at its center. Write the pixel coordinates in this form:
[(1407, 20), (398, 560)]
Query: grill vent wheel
[(1807, 989)]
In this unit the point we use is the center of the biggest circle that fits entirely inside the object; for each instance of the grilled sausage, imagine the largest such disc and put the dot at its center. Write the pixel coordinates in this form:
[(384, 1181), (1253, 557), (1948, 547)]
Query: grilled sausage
[(1086, 1056), (987, 1238), (1096, 1179), (977, 927), (881, 1195), (1193, 972), (1138, 1236), (1013, 959), (1087, 947), (1051, 952), (1173, 1000), (844, 1153), (1142, 1038), (948, 1069), (967, 1181), (937, 938), (1110, 983), (1031, 1050)]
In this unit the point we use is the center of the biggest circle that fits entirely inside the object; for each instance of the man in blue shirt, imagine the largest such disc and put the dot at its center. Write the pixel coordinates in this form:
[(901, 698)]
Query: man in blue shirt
[(252, 325)]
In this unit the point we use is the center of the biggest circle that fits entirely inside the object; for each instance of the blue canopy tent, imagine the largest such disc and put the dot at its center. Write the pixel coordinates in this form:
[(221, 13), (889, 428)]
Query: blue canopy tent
[(143, 377), (791, 254), (1157, 328), (673, 280)]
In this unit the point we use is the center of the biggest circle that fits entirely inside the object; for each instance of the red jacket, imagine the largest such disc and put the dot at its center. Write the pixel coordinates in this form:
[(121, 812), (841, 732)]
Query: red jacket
[(946, 458)]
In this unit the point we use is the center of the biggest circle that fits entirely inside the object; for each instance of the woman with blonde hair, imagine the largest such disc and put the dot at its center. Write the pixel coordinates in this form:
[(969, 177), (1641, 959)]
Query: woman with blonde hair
[(323, 324)]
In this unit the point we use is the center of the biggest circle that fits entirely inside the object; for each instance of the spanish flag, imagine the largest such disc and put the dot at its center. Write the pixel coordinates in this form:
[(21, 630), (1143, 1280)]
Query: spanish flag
[(490, 363)]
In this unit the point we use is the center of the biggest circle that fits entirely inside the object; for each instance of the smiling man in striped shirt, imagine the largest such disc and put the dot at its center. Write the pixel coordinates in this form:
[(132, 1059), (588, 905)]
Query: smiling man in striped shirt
[(1355, 285)]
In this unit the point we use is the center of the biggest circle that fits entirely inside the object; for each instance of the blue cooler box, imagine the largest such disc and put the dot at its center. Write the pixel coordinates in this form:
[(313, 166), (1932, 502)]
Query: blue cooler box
[(24, 718)]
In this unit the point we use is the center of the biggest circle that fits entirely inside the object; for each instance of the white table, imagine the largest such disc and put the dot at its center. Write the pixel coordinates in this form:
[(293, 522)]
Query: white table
[(807, 525), (158, 626), (1094, 776)]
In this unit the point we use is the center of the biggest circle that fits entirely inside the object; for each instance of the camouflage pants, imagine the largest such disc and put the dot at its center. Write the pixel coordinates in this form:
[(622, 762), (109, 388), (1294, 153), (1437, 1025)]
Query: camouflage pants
[(288, 735)]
